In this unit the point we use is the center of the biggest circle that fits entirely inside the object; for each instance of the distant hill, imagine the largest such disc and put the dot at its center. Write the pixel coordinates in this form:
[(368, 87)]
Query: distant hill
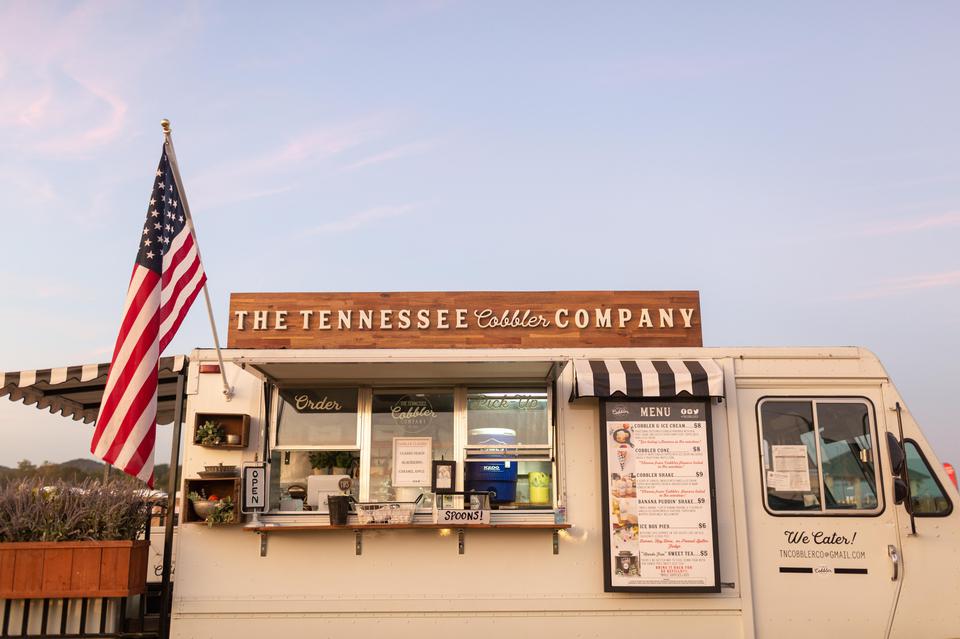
[(75, 470), (84, 465)]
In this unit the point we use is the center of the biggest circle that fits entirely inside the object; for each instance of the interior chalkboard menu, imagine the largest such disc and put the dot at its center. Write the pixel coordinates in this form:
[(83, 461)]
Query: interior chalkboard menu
[(660, 516)]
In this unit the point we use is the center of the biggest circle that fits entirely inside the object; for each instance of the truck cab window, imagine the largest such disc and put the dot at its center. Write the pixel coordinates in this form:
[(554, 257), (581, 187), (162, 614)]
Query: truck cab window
[(790, 456), (819, 456), (926, 494)]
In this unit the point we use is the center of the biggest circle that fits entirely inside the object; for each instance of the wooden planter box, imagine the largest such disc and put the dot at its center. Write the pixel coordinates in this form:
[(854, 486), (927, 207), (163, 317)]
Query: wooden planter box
[(233, 424), (72, 569)]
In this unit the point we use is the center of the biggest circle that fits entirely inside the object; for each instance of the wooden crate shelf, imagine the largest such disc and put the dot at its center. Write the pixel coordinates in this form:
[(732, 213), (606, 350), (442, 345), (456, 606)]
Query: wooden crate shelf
[(232, 423), (226, 487)]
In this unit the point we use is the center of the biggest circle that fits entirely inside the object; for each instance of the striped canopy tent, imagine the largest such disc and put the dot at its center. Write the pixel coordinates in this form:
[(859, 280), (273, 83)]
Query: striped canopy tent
[(76, 391), (639, 378)]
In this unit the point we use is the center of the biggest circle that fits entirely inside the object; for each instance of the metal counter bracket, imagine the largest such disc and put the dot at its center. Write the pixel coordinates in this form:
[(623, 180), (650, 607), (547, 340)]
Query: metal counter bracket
[(460, 541), (358, 541), (556, 542), (263, 544)]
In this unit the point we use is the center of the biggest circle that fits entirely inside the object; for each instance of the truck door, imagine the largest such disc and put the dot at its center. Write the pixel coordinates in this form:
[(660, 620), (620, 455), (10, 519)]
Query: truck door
[(821, 527), (930, 540)]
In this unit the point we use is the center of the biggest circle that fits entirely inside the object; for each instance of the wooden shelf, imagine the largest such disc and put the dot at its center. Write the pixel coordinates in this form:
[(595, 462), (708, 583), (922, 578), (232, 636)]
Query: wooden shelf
[(267, 530), (232, 423), (273, 528), (223, 487)]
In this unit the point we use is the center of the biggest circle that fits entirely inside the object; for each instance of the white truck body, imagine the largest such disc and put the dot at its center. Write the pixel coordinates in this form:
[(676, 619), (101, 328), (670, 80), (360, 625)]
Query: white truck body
[(413, 583)]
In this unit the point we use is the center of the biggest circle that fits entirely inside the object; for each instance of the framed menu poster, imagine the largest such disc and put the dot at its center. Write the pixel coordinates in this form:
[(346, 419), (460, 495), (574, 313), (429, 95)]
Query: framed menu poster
[(659, 508)]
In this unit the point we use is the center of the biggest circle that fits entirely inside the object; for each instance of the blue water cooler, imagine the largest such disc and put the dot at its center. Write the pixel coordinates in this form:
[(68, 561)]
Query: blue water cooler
[(499, 477)]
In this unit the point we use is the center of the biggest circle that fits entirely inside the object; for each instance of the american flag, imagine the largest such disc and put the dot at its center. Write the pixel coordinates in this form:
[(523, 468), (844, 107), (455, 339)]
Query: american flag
[(167, 276)]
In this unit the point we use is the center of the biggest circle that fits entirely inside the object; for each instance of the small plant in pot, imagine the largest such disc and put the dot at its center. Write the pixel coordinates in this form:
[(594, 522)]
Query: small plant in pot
[(212, 509), (210, 433), (343, 463), (322, 461)]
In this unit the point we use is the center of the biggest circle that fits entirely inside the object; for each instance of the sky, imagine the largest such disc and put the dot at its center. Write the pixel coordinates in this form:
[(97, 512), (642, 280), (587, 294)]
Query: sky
[(798, 164)]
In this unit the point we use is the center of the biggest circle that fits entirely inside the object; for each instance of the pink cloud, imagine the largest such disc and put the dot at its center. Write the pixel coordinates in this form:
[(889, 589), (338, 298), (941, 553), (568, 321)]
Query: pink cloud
[(900, 285), (915, 224), (396, 153)]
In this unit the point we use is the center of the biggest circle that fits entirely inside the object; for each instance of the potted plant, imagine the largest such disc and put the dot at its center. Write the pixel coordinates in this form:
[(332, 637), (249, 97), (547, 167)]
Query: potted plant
[(210, 433), (73, 541), (212, 509), (343, 463), (322, 461)]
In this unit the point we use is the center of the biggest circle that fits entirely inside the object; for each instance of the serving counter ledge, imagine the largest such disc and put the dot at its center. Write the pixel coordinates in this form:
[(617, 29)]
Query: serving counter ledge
[(270, 528)]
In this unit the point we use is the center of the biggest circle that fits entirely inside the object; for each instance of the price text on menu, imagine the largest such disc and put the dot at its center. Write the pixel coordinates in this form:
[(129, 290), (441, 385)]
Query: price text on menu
[(660, 515)]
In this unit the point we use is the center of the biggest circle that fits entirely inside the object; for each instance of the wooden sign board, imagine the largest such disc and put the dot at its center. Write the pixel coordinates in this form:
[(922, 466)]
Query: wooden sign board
[(465, 319)]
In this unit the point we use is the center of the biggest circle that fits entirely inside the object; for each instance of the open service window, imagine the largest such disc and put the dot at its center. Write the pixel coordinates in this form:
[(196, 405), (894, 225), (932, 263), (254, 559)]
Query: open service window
[(819, 456), (316, 445), (498, 439)]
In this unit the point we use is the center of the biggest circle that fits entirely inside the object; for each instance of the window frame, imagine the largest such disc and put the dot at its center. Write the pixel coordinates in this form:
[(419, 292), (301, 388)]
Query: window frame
[(933, 474), (460, 391), (275, 419), (823, 512)]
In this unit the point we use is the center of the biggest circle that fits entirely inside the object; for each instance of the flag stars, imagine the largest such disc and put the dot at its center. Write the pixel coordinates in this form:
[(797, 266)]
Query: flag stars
[(147, 242), (156, 226), (149, 255), (155, 213)]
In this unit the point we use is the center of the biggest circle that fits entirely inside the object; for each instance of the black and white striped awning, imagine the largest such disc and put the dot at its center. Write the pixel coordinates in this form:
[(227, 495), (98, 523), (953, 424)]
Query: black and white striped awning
[(76, 391), (647, 378)]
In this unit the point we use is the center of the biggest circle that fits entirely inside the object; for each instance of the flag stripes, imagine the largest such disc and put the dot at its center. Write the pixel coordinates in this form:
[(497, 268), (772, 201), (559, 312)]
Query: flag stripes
[(166, 278)]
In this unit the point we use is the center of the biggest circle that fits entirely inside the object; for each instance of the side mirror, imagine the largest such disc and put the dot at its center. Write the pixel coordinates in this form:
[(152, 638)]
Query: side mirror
[(897, 455), (900, 490)]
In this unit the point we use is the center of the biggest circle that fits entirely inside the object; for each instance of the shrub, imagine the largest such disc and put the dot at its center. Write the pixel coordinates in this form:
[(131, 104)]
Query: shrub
[(32, 510)]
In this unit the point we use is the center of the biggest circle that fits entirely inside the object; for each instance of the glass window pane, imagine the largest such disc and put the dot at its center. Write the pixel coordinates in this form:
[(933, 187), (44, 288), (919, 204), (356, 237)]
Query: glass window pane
[(790, 455), (407, 414), (926, 494), (317, 417), (848, 458), (520, 416), (301, 480)]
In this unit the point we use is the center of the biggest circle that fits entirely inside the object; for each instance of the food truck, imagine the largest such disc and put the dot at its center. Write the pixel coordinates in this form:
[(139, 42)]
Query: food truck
[(571, 464)]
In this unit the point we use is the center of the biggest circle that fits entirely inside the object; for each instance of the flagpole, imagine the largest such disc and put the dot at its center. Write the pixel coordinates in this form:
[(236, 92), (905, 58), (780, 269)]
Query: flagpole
[(172, 157)]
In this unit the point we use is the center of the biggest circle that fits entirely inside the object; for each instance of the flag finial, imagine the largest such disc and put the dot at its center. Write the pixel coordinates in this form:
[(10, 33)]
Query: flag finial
[(165, 124)]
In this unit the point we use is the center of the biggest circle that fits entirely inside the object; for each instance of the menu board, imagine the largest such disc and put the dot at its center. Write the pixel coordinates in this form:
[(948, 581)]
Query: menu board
[(659, 511)]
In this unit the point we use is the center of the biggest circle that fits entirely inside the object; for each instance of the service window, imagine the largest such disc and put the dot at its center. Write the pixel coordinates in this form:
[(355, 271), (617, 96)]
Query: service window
[(384, 441), (509, 446), (819, 456), (926, 494), (408, 424), (317, 445)]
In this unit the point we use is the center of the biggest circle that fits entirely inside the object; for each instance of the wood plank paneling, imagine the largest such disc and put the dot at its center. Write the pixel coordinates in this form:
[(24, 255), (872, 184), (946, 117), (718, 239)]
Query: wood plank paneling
[(72, 569), (114, 568), (57, 569), (430, 319), (28, 571), (86, 569), (7, 563)]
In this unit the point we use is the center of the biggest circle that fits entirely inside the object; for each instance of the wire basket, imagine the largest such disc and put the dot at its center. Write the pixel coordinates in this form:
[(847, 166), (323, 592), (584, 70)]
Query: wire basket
[(386, 512)]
